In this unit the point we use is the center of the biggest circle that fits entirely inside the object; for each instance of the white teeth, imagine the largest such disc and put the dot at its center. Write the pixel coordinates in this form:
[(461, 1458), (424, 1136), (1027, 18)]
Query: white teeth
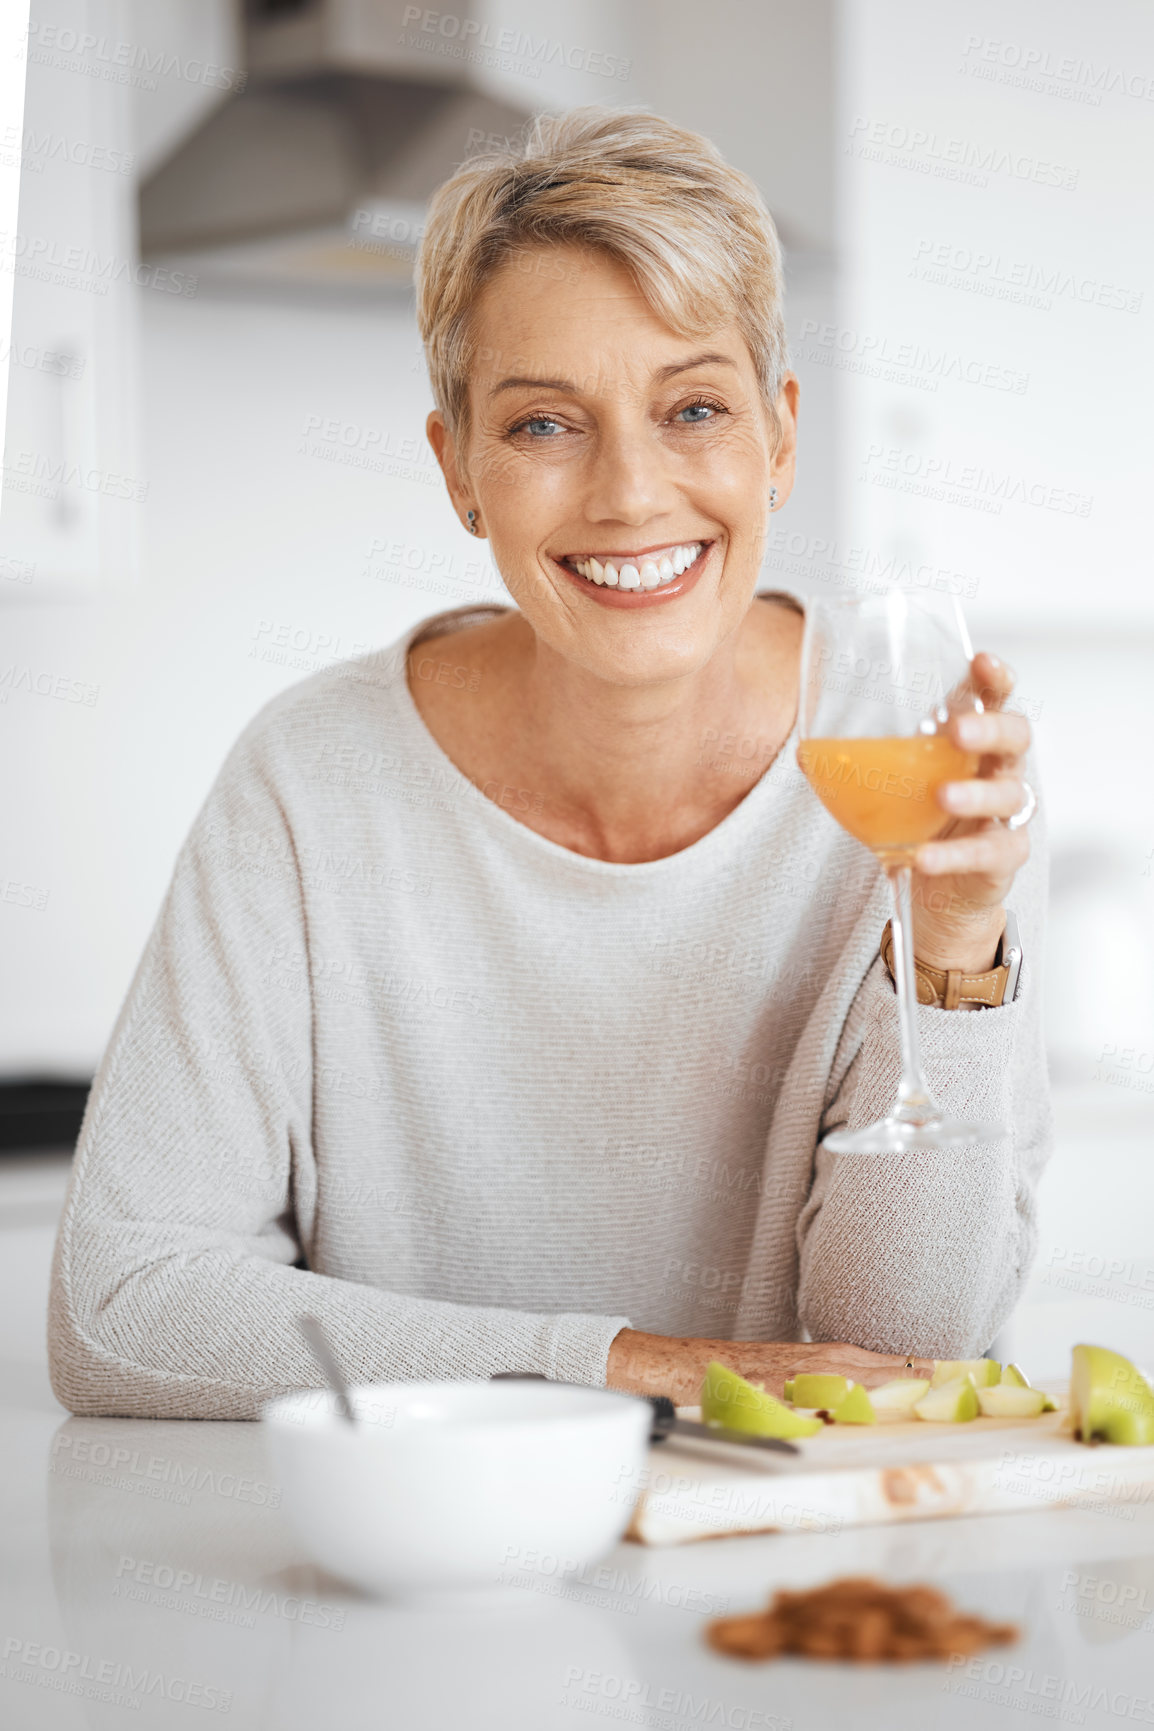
[(649, 573)]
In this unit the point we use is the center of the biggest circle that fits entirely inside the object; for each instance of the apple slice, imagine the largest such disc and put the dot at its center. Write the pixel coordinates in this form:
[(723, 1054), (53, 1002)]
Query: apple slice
[(819, 1389), (728, 1400), (985, 1371), (898, 1396), (1007, 1400), (951, 1402), (855, 1408), (1013, 1376), (787, 1391), (1110, 1399)]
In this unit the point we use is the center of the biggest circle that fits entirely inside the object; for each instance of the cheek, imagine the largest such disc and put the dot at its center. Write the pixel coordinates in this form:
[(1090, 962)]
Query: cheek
[(736, 469), (522, 480), (493, 468)]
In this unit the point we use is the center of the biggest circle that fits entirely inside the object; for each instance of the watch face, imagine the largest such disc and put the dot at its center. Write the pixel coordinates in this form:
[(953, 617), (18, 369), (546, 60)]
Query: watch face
[(1010, 956)]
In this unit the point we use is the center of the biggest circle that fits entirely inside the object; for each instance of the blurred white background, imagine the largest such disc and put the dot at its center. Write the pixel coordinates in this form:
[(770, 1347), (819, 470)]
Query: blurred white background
[(216, 477)]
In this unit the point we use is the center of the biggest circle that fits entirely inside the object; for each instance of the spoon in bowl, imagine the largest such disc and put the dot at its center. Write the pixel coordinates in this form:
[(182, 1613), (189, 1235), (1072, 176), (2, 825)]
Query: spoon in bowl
[(326, 1358)]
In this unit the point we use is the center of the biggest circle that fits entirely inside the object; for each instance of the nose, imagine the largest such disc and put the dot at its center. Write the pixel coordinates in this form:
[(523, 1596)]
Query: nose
[(629, 479)]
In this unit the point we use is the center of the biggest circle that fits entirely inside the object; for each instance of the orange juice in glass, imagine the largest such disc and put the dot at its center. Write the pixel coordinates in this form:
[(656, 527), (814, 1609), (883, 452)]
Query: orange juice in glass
[(881, 677), (883, 791)]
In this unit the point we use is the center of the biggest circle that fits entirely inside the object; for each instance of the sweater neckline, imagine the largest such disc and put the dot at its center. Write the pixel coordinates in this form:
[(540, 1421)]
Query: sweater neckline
[(730, 831)]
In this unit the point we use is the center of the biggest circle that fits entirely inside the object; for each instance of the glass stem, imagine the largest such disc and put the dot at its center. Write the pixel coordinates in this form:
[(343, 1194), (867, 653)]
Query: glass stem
[(915, 1105)]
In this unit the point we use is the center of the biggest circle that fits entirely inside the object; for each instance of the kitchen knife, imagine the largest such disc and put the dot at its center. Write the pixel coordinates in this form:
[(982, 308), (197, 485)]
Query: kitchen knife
[(666, 1422)]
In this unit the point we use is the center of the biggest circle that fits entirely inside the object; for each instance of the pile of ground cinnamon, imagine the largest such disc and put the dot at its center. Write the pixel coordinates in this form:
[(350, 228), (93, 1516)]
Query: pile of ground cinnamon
[(858, 1618)]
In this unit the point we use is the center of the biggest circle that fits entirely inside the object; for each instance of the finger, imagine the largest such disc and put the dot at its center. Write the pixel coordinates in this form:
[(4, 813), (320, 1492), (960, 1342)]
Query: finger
[(887, 1366), (907, 1365), (992, 680), (997, 796), (996, 854), (997, 733)]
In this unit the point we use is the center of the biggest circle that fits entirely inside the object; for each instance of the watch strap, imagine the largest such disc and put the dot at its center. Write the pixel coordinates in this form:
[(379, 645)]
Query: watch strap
[(950, 988)]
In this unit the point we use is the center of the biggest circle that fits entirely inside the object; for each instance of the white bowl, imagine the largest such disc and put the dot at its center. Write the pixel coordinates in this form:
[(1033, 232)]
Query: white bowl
[(458, 1487)]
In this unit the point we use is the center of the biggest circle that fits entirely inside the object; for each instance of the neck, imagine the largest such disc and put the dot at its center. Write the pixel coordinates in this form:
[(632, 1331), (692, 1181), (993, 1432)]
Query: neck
[(637, 773)]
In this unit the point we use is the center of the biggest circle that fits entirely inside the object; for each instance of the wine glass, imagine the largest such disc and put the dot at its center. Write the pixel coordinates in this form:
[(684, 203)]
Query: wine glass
[(881, 675)]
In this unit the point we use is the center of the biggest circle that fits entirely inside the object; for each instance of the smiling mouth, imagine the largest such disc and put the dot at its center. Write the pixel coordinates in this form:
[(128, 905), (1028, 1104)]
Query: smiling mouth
[(652, 570)]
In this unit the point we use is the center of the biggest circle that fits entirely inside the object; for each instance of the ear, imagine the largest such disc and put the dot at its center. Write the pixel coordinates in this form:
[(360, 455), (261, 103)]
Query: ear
[(782, 468), (444, 447)]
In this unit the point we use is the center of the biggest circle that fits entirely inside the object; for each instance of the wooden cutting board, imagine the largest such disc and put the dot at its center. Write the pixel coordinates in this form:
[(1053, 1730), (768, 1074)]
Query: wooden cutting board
[(854, 1475)]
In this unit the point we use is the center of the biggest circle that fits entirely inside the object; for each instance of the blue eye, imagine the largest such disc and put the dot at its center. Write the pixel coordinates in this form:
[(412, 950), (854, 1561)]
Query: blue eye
[(697, 409), (536, 423)]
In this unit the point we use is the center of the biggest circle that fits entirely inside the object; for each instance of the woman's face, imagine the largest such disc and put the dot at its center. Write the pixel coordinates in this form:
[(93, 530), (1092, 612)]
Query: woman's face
[(598, 433)]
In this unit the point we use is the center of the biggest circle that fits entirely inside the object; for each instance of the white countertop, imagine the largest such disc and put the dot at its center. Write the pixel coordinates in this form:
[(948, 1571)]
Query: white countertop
[(151, 1558)]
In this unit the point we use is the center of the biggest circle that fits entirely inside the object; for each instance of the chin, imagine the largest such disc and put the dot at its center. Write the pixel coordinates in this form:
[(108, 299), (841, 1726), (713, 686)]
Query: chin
[(653, 650)]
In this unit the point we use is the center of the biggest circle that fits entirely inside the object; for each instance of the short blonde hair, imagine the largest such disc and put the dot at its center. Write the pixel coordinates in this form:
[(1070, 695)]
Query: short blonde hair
[(693, 231)]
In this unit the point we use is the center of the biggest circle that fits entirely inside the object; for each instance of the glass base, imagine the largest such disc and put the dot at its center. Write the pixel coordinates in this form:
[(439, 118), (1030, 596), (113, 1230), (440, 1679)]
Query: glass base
[(897, 1136)]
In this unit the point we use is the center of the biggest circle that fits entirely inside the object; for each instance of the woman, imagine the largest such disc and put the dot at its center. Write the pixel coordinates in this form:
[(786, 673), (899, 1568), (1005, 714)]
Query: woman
[(535, 1078)]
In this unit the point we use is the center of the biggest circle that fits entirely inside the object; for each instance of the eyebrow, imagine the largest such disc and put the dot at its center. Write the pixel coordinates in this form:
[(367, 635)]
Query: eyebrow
[(663, 373)]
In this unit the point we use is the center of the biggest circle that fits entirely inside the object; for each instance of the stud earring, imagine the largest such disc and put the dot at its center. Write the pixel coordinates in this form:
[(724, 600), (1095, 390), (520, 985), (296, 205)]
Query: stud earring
[(472, 516), (772, 497)]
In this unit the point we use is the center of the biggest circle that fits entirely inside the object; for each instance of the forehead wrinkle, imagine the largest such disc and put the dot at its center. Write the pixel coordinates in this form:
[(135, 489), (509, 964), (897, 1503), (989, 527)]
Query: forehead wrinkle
[(659, 376)]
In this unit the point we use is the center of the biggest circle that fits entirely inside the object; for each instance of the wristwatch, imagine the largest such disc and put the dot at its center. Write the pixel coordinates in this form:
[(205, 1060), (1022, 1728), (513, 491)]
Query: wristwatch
[(950, 989)]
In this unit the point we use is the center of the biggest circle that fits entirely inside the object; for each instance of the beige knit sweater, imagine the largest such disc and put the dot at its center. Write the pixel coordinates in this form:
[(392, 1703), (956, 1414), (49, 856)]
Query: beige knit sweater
[(478, 1102)]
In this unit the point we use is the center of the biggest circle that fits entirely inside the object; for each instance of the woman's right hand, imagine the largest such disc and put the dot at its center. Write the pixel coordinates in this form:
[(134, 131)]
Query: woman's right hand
[(660, 1364)]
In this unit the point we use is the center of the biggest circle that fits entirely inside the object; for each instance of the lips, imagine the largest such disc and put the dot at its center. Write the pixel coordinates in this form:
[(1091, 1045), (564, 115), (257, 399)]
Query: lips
[(640, 595)]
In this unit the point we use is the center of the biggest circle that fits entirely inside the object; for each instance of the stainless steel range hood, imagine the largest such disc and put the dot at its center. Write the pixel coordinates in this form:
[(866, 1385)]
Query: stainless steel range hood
[(319, 166)]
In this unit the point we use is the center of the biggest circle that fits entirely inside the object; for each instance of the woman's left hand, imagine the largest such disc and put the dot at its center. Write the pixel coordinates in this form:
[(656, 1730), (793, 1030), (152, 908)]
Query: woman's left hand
[(961, 879)]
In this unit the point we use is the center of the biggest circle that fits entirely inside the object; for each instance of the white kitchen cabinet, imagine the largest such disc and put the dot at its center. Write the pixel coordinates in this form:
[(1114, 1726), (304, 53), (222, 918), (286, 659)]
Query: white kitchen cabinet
[(74, 487)]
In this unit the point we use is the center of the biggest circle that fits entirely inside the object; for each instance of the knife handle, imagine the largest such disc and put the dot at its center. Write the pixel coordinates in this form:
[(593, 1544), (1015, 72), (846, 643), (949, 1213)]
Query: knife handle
[(664, 1413)]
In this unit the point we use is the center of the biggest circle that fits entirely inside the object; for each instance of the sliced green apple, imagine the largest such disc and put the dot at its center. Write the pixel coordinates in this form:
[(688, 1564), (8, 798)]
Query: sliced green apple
[(728, 1400), (855, 1408), (1006, 1400), (819, 1389), (1110, 1399), (985, 1371), (899, 1395), (1013, 1376), (951, 1402), (787, 1391)]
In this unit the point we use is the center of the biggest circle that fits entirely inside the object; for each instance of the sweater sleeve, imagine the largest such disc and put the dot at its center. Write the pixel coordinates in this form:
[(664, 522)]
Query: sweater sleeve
[(179, 1266), (928, 1253)]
